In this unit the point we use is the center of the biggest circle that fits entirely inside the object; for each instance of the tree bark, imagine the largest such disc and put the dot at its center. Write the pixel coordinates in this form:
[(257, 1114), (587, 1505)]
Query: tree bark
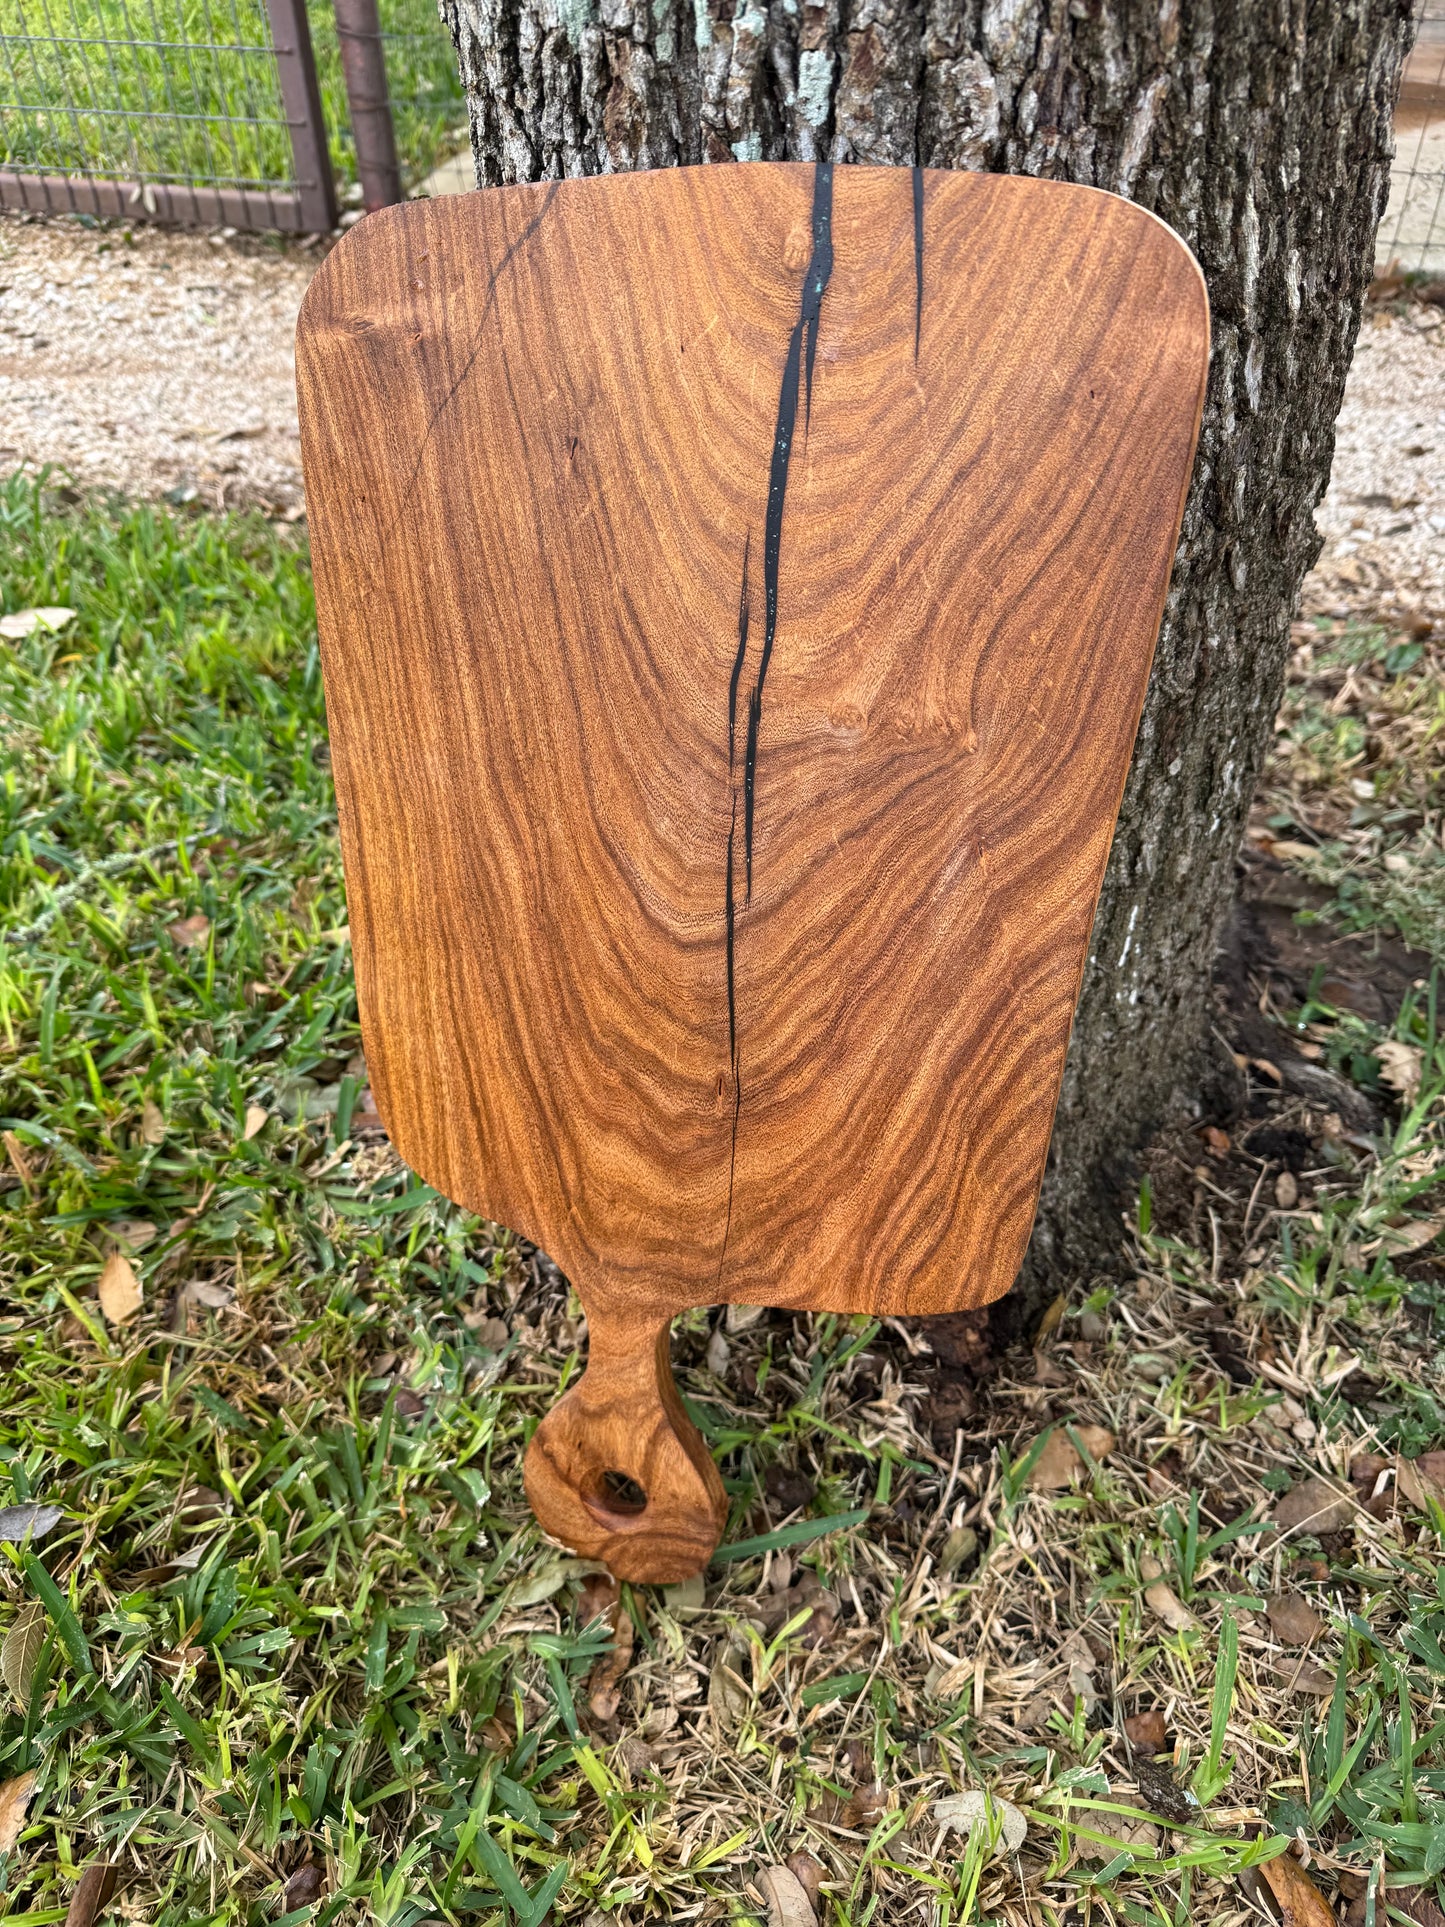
[(1260, 130)]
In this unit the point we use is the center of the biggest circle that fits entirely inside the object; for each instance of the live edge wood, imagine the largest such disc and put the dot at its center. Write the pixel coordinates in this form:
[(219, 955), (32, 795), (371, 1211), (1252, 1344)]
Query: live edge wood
[(737, 590)]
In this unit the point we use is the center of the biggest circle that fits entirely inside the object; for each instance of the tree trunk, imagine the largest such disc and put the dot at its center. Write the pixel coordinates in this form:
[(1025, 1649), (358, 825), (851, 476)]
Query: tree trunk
[(1260, 130)]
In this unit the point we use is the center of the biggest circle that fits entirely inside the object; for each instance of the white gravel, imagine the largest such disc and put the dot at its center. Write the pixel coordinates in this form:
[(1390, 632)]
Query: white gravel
[(160, 364), (163, 364), (1383, 518)]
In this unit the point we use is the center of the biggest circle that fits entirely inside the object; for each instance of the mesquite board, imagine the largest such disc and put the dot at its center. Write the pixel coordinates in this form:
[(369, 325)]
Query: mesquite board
[(737, 590)]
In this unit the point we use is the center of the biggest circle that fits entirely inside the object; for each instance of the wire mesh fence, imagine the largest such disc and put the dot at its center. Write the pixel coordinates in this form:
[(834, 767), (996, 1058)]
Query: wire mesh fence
[(1412, 234), (208, 111), (423, 87)]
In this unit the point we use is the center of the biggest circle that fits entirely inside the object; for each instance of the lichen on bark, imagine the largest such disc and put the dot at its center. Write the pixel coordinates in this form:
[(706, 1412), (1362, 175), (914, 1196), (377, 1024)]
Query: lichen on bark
[(1260, 130)]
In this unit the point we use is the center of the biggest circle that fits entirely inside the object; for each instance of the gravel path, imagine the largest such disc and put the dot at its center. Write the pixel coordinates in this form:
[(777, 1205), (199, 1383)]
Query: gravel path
[(163, 365), (156, 365), (1384, 516)]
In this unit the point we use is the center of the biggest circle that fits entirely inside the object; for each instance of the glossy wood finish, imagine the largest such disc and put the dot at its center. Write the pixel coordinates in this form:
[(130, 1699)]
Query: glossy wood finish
[(737, 592)]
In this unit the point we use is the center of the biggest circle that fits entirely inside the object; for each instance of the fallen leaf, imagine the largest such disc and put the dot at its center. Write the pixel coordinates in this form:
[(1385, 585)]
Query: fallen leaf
[(191, 932), (490, 1332), (19, 1522), (1418, 1905), (303, 1887), (604, 1682), (26, 622), (1412, 1236), (689, 1595), (728, 1695), (20, 1653), (964, 1811), (14, 1799), (808, 1873), (807, 1596), (1314, 1505), (256, 1117), (1400, 1067), (1303, 1676), (1059, 1463), (1294, 1620), (1147, 1731), (1286, 1190), (718, 1353), (1422, 1479), (93, 1890), (786, 1898), (1301, 1904), (1166, 1606), (152, 1123), (214, 1297), (1132, 1836), (1161, 1601), (1051, 1320), (134, 1233), (119, 1289), (19, 1163)]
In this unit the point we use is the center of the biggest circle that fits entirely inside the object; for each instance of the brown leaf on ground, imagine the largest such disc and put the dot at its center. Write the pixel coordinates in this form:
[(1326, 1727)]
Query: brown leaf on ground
[(786, 1898), (134, 1233), (93, 1890), (604, 1682), (1303, 1676), (303, 1887), (1053, 1317), (1316, 1506), (1301, 1904), (597, 1598), (201, 1502), (808, 1873), (807, 1596), (256, 1120), (19, 1163), (1419, 1905), (14, 1799), (1293, 1619), (1146, 1731), (857, 1812), (152, 1123), (119, 1289), (1161, 1601), (191, 932), (1059, 1463), (1421, 1479)]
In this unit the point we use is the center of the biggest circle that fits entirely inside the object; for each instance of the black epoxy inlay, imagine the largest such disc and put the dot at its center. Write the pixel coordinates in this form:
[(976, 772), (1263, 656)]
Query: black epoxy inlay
[(918, 257), (805, 337), (797, 371)]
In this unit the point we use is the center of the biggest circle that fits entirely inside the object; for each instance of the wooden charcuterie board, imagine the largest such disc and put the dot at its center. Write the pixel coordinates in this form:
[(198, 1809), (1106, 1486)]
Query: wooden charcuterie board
[(737, 591)]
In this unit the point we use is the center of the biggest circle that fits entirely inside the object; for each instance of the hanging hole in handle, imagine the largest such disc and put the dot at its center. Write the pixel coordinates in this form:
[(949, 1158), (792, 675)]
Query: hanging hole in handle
[(615, 1498)]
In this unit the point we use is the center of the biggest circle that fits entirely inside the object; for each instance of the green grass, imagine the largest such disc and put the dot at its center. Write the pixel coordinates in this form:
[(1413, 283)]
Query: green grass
[(69, 100), (295, 1613)]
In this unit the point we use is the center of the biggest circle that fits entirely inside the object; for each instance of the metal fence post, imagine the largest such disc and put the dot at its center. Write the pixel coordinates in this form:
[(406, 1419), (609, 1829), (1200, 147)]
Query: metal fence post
[(301, 98), (363, 67)]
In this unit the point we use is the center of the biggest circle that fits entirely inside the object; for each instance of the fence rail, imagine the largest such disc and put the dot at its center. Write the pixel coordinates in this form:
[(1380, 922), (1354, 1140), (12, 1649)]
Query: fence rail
[(235, 113)]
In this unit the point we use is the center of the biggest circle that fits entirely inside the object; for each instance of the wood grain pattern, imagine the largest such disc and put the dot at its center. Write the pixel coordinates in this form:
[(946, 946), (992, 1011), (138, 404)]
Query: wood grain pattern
[(737, 593)]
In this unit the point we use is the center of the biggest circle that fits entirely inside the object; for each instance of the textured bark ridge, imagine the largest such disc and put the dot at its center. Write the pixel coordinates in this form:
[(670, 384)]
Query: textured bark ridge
[(1260, 130)]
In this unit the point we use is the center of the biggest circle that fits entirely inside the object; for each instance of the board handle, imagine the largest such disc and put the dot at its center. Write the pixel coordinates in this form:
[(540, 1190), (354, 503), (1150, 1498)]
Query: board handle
[(617, 1469)]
